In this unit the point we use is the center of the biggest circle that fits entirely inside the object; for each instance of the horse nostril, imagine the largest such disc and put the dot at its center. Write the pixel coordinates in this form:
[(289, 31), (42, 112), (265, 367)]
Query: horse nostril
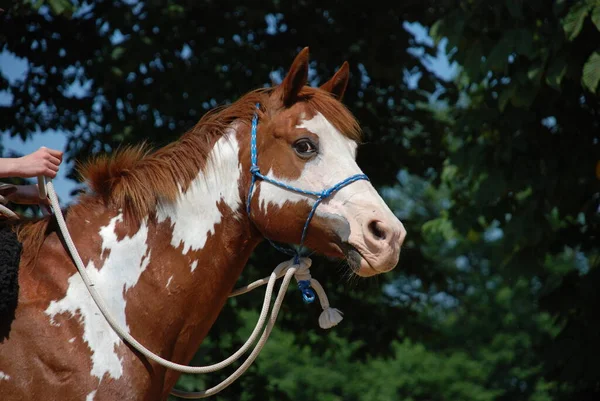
[(377, 229)]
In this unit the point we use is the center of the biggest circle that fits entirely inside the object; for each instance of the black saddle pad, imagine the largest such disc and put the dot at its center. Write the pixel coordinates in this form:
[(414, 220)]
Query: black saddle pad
[(10, 255)]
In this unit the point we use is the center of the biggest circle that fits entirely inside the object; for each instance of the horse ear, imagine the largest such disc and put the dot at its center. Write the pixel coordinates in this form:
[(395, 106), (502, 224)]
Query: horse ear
[(296, 78), (339, 82)]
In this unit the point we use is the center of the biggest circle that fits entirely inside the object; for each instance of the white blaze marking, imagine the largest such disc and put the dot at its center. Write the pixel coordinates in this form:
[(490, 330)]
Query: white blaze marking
[(127, 259), (4, 376), (195, 213), (169, 281), (90, 396), (334, 163)]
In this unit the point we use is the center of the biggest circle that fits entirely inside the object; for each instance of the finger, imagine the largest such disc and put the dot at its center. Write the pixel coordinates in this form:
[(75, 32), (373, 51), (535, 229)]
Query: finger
[(54, 160), (50, 173), (55, 153), (49, 165)]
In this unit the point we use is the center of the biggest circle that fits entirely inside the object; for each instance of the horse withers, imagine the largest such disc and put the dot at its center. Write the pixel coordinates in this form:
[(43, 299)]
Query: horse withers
[(161, 231)]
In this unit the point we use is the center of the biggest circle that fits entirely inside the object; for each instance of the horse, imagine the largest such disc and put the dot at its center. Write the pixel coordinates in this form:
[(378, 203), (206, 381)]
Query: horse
[(165, 234)]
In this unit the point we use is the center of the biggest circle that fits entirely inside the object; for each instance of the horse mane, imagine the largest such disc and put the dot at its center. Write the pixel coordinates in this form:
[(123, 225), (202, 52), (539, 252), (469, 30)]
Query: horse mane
[(136, 178)]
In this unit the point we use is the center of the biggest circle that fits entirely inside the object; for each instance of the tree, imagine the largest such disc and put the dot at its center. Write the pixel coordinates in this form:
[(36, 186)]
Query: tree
[(494, 173), (523, 153)]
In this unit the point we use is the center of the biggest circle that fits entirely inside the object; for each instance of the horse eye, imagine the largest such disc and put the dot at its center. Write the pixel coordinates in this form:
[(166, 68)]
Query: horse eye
[(305, 147)]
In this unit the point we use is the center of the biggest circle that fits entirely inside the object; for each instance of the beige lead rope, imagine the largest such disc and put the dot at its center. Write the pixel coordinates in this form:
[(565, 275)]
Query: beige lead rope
[(4, 189), (6, 211), (329, 317)]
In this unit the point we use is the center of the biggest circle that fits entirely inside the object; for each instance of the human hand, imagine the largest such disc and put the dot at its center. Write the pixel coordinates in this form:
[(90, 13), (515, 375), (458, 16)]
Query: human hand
[(43, 161)]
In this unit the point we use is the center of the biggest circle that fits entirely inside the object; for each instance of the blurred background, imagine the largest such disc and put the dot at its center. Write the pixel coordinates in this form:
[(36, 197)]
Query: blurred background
[(481, 122)]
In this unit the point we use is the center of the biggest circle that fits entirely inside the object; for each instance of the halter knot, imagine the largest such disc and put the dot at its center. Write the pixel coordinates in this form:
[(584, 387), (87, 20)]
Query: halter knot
[(254, 170), (330, 316)]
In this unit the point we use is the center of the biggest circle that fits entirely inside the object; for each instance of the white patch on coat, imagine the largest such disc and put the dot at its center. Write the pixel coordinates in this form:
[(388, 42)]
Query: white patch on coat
[(127, 259), (195, 213), (4, 376), (194, 265), (169, 281), (72, 340), (90, 396)]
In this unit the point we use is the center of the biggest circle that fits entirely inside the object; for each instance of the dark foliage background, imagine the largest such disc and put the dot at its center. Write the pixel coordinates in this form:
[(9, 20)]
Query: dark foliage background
[(495, 173)]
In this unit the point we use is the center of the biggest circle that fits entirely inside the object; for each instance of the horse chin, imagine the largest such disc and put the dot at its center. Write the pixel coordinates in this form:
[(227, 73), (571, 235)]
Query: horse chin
[(359, 265)]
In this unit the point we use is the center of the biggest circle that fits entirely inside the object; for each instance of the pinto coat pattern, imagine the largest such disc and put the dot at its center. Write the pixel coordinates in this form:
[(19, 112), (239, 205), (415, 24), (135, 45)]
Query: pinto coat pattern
[(164, 236)]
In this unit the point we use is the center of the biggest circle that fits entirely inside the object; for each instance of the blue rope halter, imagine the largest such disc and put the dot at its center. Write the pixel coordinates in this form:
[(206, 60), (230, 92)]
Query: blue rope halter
[(307, 293)]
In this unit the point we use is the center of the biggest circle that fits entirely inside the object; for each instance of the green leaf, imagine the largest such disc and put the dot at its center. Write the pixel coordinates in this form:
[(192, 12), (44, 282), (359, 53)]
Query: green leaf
[(556, 72), (61, 6), (515, 8), (596, 17), (117, 71), (175, 9), (117, 52), (591, 72), (523, 42), (437, 31), (498, 57), (535, 73), (472, 63), (37, 4), (506, 96), (574, 20), (524, 96)]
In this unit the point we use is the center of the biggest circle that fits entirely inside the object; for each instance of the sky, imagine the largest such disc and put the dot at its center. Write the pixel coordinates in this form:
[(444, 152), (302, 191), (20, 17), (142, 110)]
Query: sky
[(14, 69)]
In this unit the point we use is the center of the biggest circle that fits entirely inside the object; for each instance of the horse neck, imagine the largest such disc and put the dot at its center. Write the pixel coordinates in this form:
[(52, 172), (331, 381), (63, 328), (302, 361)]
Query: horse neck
[(166, 278), (199, 246)]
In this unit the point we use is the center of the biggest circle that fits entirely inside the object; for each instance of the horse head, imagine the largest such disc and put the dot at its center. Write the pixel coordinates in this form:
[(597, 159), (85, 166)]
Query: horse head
[(306, 138)]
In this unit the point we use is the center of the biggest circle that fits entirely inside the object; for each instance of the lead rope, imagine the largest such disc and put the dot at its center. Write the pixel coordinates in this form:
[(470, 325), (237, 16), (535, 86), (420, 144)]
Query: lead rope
[(3, 201), (298, 267), (6, 211)]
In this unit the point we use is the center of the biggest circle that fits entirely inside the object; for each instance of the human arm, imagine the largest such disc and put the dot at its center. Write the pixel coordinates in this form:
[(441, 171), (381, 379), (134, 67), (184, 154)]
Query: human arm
[(43, 161)]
